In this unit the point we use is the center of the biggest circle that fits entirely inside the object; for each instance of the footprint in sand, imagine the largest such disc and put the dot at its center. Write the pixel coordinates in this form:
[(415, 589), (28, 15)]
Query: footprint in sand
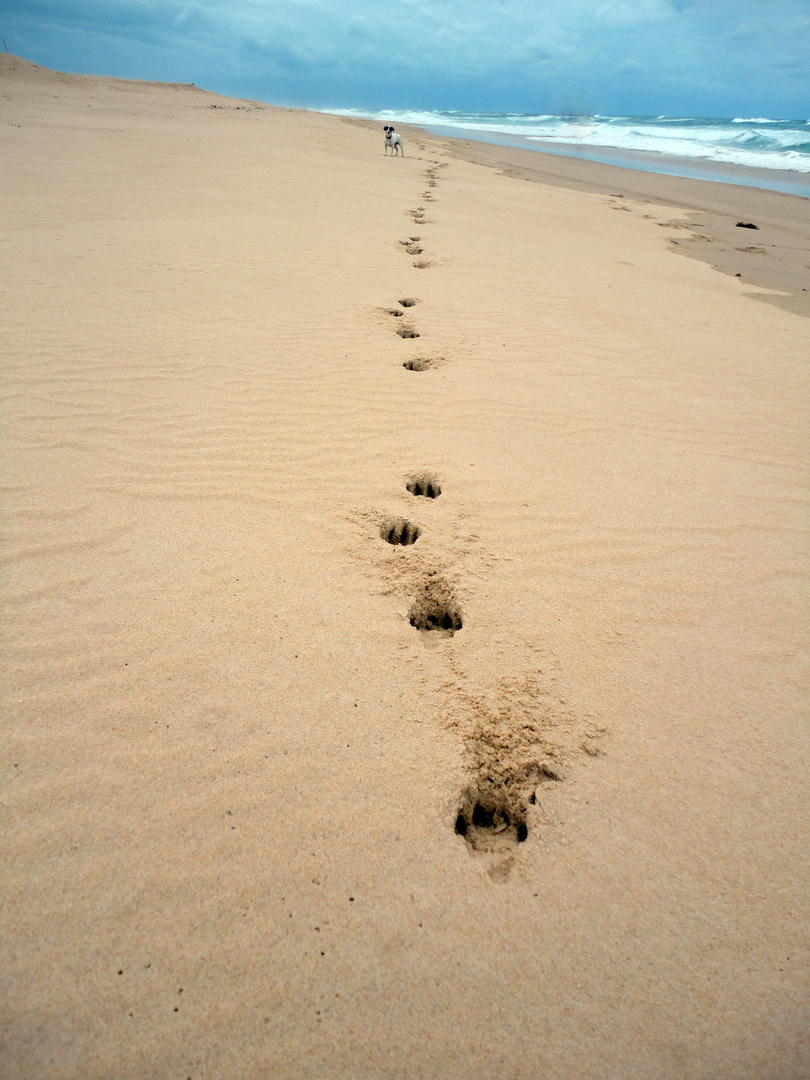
[(423, 363), (435, 611), (517, 734), (488, 823), (509, 763), (424, 485), (494, 809), (400, 531)]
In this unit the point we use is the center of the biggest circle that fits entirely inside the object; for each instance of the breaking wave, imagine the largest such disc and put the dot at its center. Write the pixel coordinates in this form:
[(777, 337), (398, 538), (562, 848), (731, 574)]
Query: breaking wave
[(756, 142)]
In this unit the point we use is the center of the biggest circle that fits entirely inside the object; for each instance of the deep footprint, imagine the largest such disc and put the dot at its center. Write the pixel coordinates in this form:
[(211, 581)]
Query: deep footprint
[(489, 821), (400, 531), (494, 809), (506, 773), (424, 484), (421, 363), (436, 611), (407, 332)]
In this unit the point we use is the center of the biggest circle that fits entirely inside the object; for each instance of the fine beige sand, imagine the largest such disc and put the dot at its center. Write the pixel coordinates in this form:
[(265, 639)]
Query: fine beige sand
[(256, 824)]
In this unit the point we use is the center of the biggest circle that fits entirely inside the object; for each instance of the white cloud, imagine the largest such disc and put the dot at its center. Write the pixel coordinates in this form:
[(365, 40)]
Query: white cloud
[(650, 56), (633, 12)]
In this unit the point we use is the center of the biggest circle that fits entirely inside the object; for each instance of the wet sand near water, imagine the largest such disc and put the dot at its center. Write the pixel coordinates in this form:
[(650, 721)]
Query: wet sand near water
[(775, 255)]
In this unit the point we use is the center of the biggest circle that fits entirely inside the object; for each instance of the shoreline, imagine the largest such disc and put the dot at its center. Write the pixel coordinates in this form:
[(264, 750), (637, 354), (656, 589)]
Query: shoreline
[(664, 163), (661, 164), (775, 257)]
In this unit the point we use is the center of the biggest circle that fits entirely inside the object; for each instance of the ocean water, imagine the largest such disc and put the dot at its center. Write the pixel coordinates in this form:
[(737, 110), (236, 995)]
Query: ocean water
[(756, 150)]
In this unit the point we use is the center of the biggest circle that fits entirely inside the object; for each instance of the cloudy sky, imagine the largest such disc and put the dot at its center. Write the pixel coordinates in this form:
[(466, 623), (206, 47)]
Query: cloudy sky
[(640, 57)]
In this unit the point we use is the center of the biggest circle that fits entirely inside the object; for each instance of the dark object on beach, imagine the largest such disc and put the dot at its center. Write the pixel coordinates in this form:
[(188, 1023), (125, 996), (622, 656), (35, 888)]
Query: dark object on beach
[(746, 225)]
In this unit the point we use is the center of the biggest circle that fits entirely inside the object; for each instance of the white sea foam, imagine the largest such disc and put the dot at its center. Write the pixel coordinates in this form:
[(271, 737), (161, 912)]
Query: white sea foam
[(758, 142)]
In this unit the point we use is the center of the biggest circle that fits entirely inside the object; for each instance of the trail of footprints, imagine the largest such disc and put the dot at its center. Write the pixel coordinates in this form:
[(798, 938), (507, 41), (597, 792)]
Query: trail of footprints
[(509, 756), (408, 332)]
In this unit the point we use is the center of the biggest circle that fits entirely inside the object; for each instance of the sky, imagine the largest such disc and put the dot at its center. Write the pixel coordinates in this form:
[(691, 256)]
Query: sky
[(719, 58)]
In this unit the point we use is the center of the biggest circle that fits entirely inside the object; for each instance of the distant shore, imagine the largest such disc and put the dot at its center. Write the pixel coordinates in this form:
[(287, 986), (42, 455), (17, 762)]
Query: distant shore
[(769, 154), (789, 183), (774, 256)]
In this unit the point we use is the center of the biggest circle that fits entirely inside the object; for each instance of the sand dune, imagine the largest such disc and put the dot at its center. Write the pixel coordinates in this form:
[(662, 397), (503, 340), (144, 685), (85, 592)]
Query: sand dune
[(525, 794)]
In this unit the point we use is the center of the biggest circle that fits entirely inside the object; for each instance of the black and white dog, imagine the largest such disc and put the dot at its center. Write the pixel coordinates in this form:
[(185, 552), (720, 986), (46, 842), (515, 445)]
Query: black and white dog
[(393, 140)]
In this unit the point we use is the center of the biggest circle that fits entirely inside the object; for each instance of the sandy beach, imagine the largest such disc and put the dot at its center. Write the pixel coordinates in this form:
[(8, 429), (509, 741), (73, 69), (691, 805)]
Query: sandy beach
[(405, 604)]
